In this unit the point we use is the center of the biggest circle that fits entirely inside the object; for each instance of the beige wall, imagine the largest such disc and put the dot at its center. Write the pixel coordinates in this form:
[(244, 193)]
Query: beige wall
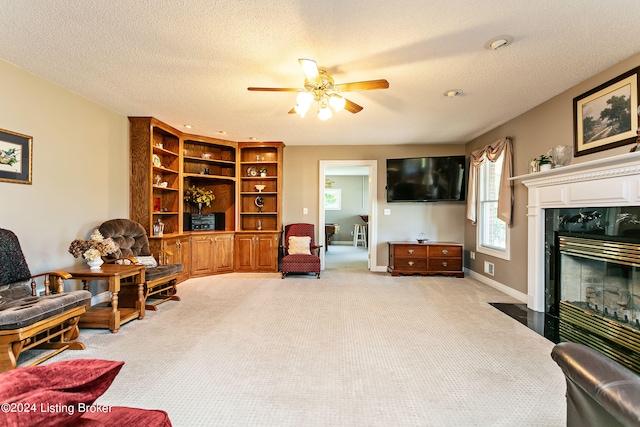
[(439, 221), (80, 167), (534, 133)]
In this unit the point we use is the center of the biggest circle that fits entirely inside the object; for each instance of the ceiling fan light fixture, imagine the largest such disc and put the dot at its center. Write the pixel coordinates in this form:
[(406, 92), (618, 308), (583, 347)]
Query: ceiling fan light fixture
[(324, 113), (301, 110), (304, 99), (337, 102)]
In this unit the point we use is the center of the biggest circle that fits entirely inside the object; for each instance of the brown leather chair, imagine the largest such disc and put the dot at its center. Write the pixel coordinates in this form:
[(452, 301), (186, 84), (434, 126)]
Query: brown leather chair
[(600, 391), (301, 255)]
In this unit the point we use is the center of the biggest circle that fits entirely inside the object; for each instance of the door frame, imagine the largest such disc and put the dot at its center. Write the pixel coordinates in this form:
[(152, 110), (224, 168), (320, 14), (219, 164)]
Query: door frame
[(371, 208)]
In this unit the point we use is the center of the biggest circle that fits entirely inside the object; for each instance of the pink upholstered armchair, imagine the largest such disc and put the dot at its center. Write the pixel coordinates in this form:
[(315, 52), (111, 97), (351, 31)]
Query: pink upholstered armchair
[(301, 255)]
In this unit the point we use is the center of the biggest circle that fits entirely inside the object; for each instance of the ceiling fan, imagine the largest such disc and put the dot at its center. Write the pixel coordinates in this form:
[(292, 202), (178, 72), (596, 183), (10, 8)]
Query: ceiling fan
[(319, 87)]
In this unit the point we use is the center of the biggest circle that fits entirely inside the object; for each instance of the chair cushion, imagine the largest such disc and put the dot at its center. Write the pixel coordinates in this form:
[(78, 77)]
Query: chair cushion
[(14, 291), (152, 274), (13, 266), (300, 263), (299, 245), (129, 235), (19, 313), (69, 384)]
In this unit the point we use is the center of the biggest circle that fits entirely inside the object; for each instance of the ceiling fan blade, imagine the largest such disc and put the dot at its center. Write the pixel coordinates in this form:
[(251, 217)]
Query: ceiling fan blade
[(309, 68), (274, 89), (352, 107), (368, 85)]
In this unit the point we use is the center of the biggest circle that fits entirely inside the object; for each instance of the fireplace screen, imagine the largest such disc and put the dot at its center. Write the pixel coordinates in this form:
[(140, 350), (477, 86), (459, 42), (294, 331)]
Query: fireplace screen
[(602, 277)]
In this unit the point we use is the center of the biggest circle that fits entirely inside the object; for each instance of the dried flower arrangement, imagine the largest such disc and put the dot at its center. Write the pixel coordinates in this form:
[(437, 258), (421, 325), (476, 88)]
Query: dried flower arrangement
[(198, 195), (96, 247)]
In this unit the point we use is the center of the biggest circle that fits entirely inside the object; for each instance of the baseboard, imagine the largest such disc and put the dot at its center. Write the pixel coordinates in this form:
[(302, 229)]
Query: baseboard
[(497, 285)]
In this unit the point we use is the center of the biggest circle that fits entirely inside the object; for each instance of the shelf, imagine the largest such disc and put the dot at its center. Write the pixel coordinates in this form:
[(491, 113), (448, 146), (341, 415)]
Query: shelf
[(163, 169), (157, 187), (258, 178), (215, 161), (258, 213), (159, 150), (203, 176), (165, 213), (259, 162), (255, 193)]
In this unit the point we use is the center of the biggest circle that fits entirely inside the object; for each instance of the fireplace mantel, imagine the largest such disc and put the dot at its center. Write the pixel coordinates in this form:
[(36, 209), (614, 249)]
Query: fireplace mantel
[(612, 181)]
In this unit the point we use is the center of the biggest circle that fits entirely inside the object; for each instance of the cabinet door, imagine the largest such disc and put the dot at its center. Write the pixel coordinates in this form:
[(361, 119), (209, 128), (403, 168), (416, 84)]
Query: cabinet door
[(245, 250), (267, 252), (183, 251), (202, 254), (223, 253)]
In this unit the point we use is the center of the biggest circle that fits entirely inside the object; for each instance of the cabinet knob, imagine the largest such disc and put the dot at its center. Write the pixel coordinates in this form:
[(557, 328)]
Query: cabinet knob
[(444, 251), (410, 263), (444, 264), (411, 251)]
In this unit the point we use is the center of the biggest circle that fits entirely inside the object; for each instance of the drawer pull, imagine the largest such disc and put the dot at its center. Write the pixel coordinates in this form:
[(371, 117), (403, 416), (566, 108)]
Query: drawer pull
[(411, 251), (444, 264), (410, 263), (444, 251)]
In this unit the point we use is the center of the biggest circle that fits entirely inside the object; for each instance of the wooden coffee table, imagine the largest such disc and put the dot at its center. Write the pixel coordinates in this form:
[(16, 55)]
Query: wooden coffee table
[(111, 316)]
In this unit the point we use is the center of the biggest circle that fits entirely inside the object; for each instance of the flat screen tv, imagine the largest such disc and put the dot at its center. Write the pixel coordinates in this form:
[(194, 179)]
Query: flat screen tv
[(426, 179)]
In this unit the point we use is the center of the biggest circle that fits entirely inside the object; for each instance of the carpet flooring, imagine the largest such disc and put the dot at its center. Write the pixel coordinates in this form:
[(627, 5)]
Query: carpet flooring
[(353, 348)]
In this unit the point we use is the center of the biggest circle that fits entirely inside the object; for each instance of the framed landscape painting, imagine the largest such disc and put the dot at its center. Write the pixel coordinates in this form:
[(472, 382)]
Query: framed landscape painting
[(15, 157), (606, 116)]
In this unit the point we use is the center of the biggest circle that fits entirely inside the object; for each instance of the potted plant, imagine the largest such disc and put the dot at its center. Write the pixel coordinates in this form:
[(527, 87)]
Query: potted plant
[(263, 171), (544, 162)]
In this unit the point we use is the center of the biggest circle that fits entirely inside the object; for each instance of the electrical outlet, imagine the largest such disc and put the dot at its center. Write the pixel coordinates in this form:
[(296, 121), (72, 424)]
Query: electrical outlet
[(472, 255), (305, 211), (489, 268), (387, 211)]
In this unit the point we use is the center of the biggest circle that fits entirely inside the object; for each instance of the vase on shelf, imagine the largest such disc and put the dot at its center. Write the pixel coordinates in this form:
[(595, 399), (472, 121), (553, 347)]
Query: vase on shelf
[(199, 208), (94, 264)]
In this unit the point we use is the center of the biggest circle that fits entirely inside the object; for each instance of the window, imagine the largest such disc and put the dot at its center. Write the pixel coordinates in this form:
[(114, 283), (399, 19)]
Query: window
[(493, 233)]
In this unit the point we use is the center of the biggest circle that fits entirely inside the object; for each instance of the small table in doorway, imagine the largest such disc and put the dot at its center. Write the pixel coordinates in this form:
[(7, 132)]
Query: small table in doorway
[(111, 316)]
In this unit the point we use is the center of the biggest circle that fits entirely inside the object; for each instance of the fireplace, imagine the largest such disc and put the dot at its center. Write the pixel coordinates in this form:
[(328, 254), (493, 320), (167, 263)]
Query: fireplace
[(599, 294), (592, 211)]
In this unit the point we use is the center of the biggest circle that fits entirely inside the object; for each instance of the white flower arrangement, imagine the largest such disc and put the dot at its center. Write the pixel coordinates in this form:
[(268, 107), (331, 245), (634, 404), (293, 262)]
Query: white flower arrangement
[(96, 247)]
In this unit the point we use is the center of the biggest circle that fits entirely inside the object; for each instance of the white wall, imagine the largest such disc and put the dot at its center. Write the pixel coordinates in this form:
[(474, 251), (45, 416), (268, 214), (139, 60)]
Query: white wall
[(80, 167)]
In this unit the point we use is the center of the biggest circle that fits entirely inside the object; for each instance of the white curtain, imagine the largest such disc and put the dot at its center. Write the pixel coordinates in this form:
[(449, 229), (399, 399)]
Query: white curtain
[(505, 197)]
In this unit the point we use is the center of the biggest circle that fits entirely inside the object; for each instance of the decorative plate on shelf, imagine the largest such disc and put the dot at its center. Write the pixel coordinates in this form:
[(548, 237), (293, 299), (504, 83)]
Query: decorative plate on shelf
[(251, 171), (156, 160)]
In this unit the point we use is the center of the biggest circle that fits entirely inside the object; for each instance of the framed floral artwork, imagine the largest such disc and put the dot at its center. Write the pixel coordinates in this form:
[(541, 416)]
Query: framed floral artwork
[(332, 199), (15, 157), (606, 116)]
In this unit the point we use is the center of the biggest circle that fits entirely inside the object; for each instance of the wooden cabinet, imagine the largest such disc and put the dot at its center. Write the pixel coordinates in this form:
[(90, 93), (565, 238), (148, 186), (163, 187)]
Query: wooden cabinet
[(425, 258), (155, 185), (210, 164), (211, 253), (259, 195), (180, 249), (244, 177), (256, 252)]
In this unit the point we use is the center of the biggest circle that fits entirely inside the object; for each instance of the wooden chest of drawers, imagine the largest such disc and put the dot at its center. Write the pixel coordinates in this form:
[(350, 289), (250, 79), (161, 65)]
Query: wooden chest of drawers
[(425, 258)]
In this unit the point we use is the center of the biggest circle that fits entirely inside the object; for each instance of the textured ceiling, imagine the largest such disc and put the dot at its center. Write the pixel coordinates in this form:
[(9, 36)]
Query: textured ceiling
[(191, 61)]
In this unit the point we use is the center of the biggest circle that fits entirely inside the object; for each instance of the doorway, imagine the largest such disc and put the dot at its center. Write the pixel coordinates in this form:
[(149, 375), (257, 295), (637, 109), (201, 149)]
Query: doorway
[(347, 209)]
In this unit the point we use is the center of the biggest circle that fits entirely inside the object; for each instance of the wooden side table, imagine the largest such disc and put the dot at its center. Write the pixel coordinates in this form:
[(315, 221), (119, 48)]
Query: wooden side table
[(111, 317)]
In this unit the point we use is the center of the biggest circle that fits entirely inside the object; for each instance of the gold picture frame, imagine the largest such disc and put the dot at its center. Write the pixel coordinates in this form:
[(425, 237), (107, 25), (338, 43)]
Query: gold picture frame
[(606, 116), (15, 157)]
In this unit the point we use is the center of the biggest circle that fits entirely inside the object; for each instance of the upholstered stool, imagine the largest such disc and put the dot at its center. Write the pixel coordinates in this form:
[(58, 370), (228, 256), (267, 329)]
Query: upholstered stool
[(359, 235)]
